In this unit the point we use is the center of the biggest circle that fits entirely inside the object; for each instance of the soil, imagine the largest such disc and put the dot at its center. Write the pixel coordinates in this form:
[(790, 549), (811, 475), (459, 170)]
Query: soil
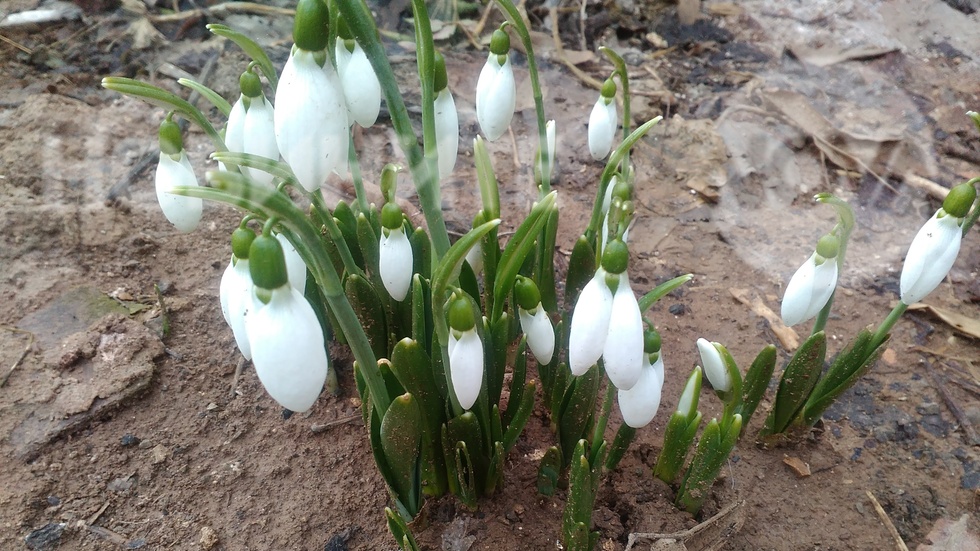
[(118, 434)]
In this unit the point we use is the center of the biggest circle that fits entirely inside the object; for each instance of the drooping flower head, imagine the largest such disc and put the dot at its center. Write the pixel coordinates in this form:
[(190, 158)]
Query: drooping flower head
[(639, 404), (603, 121), (496, 90), (235, 290), (534, 320), (465, 352), (283, 331), (258, 132), (396, 257), (721, 371), (173, 170), (935, 247), (311, 114), (813, 283), (446, 119), (362, 90)]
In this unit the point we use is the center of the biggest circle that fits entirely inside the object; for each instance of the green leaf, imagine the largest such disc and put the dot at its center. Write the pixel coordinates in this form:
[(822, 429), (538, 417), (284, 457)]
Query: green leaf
[(399, 528), (662, 290), (797, 382), (523, 413), (251, 49), (162, 98), (757, 381), (369, 242), (548, 471), (495, 473), (581, 269), (849, 366), (213, 97), (520, 244), (545, 269), (624, 437), (581, 499), (421, 310), (347, 223), (519, 376), (678, 438), (370, 312), (489, 190), (421, 253), (265, 164), (401, 436), (577, 409), (499, 345)]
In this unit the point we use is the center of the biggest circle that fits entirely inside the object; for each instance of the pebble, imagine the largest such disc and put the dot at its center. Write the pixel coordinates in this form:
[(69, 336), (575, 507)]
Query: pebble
[(45, 537), (129, 440), (677, 309), (928, 408), (209, 538), (158, 454)]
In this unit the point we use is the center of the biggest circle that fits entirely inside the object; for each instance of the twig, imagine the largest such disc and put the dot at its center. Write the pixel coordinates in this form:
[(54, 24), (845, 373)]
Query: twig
[(30, 342), (330, 424), (94, 518), (239, 369), (513, 148), (478, 30), (933, 189), (961, 418), (899, 542), (225, 9), (16, 44)]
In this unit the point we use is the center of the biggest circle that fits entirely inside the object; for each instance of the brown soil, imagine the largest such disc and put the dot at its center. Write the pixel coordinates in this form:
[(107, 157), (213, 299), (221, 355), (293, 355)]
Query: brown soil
[(115, 437)]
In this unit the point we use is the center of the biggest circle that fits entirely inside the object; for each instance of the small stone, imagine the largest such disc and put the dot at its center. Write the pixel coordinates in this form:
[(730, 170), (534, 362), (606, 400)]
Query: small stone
[(45, 537), (121, 484), (145, 445), (129, 440), (209, 538), (158, 454), (677, 309), (53, 501), (928, 408), (212, 406)]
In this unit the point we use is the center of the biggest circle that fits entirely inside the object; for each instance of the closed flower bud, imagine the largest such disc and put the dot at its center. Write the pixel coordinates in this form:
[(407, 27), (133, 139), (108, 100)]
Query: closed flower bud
[(931, 256), (810, 288), (496, 95), (395, 263), (295, 266), (623, 352), (590, 324), (260, 136), (639, 404), (602, 127), (447, 131), (183, 212), (714, 366), (235, 293), (362, 90), (465, 353), (540, 333)]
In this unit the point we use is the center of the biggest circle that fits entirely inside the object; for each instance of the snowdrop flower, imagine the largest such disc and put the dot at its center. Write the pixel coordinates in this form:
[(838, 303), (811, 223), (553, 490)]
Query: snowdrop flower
[(496, 91), (311, 115), (813, 283), (603, 122), (465, 353), (362, 90), (235, 128), (714, 366), (395, 257), (535, 321), (235, 290), (283, 331), (590, 324), (446, 119), (639, 404), (295, 266), (173, 170), (935, 247), (622, 354)]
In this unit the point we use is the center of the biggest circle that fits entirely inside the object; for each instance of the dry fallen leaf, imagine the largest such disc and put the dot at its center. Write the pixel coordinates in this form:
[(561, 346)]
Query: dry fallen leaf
[(963, 324), (797, 465), (947, 535), (786, 335)]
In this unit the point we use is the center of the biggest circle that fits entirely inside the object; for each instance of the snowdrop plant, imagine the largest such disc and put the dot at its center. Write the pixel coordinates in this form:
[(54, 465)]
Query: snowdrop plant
[(496, 90), (173, 171), (603, 121)]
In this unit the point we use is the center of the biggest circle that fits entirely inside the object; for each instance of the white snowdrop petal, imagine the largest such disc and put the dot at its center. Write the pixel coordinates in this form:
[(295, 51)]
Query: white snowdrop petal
[(235, 129), (796, 300), (623, 354), (183, 212), (824, 283), (395, 263), (362, 90), (931, 255), (260, 136), (540, 334), (224, 288), (474, 257), (639, 404), (447, 131), (295, 267), (241, 302), (714, 366), (311, 120), (602, 128), (590, 325), (466, 368), (287, 349), (496, 97)]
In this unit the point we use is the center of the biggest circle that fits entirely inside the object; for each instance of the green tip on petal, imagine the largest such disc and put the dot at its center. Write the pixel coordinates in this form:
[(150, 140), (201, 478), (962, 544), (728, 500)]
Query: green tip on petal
[(171, 142), (311, 25), (461, 315), (608, 89), (241, 242), (391, 216), (527, 293), (250, 84), (267, 263), (960, 199), (615, 258), (828, 246), (500, 42), (441, 78)]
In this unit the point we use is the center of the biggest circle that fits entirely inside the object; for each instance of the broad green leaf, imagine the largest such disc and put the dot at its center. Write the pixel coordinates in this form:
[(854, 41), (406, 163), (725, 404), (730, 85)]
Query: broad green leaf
[(797, 382), (575, 415), (370, 312), (401, 437), (757, 381), (624, 437), (548, 471), (251, 49), (661, 291), (520, 244)]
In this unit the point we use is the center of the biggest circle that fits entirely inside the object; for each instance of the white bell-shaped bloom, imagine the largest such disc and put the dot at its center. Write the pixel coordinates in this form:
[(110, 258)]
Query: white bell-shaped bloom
[(930, 257), (395, 262), (260, 136), (623, 353), (474, 257), (639, 404), (496, 97), (287, 349), (311, 119), (447, 131), (237, 301), (540, 333), (466, 367), (295, 267), (235, 128), (183, 212), (602, 127), (590, 324), (809, 289), (714, 366), (362, 90)]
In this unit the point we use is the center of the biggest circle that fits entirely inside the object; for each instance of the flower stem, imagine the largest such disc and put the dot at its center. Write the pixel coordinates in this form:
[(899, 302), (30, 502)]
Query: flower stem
[(355, 174), (624, 80), (887, 325), (971, 219), (823, 315), (599, 433)]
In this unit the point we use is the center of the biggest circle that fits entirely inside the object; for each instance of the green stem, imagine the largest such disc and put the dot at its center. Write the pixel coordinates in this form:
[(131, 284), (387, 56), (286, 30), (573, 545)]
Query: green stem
[(426, 63), (971, 219), (362, 25), (355, 173), (514, 16), (599, 433), (337, 236), (886, 326), (821, 322), (624, 81)]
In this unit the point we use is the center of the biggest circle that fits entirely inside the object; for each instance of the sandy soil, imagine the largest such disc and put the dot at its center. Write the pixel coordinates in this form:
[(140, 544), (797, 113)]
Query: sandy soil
[(116, 436)]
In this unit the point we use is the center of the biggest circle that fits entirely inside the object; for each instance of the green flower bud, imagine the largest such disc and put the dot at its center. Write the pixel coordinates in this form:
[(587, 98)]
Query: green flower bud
[(391, 216), (608, 90), (528, 296), (389, 181), (311, 24), (828, 246), (241, 241), (170, 141), (623, 190), (651, 341), (461, 315), (250, 84), (267, 263), (500, 42), (616, 257), (960, 199), (441, 77)]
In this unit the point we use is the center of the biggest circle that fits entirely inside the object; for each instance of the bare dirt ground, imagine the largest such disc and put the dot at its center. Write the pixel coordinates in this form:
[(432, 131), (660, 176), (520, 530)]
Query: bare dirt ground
[(115, 435)]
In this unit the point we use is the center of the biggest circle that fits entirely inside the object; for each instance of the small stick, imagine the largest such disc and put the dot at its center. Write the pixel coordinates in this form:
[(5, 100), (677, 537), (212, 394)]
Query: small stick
[(16, 44), (899, 542), (165, 318), (30, 343), (342, 421), (961, 418), (238, 373)]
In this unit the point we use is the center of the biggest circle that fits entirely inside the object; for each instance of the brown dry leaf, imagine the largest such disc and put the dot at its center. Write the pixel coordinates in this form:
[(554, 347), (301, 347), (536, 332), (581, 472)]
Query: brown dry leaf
[(786, 335), (947, 535), (578, 57), (963, 324), (798, 466), (725, 9), (688, 11), (144, 34), (830, 54)]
